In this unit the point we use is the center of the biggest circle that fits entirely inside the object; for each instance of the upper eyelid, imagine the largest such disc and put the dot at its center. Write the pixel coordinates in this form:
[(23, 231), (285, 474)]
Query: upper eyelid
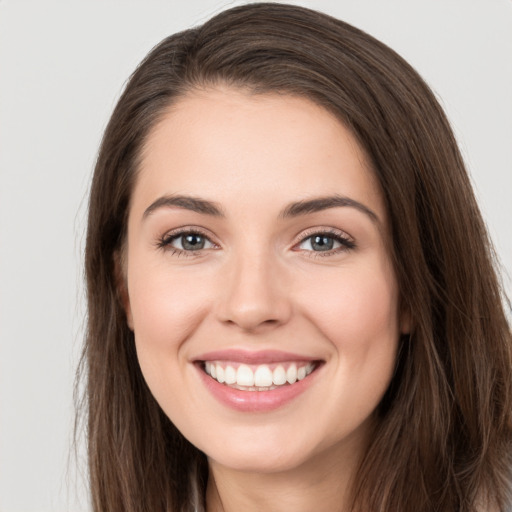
[(175, 233), (335, 232), (164, 242)]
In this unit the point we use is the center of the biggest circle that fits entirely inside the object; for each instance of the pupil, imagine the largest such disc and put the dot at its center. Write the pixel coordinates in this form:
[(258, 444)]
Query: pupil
[(322, 243), (193, 242)]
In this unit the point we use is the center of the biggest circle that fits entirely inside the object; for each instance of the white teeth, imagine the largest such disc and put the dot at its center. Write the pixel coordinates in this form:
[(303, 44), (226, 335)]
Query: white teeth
[(262, 379), (291, 374), (244, 376), (220, 373), (263, 376), (279, 376), (230, 375)]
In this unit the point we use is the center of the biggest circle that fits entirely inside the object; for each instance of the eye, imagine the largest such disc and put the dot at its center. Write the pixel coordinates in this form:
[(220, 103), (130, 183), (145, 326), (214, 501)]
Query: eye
[(185, 242), (327, 243), (319, 243)]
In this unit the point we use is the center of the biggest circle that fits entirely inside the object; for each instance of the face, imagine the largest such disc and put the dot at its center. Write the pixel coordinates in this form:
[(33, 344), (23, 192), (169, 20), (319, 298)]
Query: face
[(258, 280)]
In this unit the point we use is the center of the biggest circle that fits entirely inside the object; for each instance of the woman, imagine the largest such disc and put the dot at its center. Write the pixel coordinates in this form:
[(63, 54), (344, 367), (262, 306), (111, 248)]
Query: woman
[(292, 300)]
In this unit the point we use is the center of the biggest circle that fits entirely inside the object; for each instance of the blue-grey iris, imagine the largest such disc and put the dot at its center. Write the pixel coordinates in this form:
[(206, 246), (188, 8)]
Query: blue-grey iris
[(192, 242), (322, 243)]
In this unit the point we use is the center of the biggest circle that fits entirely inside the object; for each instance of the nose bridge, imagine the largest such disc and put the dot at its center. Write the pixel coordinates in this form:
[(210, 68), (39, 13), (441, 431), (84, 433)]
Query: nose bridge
[(255, 292)]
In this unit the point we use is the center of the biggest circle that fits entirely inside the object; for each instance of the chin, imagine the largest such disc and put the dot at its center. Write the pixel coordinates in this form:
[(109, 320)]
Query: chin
[(262, 463), (258, 452)]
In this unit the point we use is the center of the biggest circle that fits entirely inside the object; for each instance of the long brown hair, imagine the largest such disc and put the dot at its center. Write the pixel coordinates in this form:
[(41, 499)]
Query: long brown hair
[(443, 436)]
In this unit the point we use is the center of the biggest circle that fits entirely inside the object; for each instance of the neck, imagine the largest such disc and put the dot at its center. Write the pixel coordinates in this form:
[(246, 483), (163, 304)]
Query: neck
[(322, 484)]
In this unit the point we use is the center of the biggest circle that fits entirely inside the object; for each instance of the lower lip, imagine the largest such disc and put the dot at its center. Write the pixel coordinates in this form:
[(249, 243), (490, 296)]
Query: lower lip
[(255, 401)]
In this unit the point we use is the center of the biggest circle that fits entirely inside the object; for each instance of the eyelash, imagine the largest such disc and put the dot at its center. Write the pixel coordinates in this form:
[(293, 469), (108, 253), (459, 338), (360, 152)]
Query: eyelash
[(165, 242), (346, 243)]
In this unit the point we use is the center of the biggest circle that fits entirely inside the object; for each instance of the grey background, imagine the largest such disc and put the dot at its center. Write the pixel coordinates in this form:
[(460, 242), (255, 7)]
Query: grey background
[(62, 67)]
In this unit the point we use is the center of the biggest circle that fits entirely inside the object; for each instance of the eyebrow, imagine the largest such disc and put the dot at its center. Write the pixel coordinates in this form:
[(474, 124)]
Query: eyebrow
[(296, 209), (194, 204), (324, 203)]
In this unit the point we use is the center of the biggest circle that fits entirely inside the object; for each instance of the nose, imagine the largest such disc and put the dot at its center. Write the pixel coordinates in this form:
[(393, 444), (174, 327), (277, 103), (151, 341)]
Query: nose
[(255, 296)]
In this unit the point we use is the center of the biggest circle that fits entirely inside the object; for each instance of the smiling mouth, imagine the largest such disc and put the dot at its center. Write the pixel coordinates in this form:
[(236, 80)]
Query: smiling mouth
[(262, 377)]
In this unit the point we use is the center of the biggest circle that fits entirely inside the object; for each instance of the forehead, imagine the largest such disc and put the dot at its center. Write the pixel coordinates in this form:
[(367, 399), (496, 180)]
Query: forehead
[(227, 143)]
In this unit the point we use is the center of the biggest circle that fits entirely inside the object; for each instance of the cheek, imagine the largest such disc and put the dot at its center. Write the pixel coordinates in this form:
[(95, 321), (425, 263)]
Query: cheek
[(356, 311), (166, 308), (355, 308), (365, 340)]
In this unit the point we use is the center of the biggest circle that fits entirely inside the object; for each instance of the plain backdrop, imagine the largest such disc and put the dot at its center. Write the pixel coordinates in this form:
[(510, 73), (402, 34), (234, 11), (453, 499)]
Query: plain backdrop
[(62, 67)]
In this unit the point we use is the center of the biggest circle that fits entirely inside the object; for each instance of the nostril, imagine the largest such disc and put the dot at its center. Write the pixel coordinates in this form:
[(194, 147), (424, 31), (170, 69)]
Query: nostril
[(252, 325)]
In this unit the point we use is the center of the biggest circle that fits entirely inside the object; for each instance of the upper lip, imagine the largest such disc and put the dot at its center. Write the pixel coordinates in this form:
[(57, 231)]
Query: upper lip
[(253, 357)]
